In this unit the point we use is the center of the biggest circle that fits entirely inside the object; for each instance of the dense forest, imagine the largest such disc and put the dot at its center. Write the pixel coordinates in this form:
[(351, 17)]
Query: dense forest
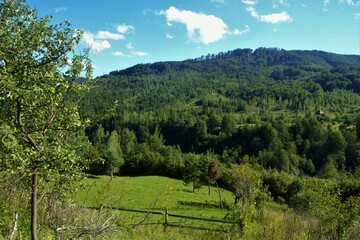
[(293, 111), (284, 122)]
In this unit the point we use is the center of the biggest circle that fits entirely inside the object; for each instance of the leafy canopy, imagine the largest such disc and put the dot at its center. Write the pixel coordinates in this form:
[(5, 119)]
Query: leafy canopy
[(38, 69)]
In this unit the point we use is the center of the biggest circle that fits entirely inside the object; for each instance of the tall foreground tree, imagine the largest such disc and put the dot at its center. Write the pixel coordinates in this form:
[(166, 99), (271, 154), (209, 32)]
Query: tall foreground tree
[(38, 121)]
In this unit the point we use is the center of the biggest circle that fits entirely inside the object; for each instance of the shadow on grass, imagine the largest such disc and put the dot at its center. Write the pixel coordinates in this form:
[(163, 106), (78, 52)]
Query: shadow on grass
[(92, 176), (185, 190), (199, 204)]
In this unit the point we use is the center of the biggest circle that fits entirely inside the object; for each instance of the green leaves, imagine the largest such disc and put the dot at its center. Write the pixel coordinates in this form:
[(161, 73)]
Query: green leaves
[(39, 120), (243, 180)]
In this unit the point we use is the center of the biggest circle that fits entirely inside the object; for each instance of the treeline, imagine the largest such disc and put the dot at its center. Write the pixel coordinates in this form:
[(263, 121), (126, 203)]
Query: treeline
[(307, 146)]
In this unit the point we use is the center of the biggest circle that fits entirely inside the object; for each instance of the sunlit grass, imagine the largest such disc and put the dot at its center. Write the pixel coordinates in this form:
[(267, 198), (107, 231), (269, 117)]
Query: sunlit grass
[(153, 193)]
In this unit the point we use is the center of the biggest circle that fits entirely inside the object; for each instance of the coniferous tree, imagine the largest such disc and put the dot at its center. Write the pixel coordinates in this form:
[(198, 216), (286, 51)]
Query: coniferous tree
[(113, 154)]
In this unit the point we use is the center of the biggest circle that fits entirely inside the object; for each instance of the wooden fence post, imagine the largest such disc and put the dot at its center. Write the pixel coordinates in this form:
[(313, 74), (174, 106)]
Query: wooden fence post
[(166, 219)]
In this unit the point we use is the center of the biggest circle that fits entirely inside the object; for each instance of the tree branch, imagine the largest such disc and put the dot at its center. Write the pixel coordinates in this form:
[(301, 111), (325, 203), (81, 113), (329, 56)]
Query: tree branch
[(22, 128), (62, 102)]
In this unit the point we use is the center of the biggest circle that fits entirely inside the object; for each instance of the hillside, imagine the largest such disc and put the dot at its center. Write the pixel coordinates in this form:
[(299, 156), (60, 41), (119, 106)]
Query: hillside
[(285, 123), (260, 60), (225, 103), (230, 81)]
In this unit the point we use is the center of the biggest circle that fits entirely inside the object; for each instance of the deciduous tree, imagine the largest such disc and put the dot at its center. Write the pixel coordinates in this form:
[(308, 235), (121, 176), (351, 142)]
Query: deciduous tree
[(38, 121), (214, 175), (243, 180)]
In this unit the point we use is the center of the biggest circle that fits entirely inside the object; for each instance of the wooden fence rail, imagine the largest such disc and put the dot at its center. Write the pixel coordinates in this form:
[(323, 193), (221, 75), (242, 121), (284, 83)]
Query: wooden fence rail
[(166, 215)]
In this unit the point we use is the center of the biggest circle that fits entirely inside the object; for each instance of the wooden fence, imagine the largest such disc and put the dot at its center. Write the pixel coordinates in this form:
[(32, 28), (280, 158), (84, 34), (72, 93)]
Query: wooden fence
[(166, 223)]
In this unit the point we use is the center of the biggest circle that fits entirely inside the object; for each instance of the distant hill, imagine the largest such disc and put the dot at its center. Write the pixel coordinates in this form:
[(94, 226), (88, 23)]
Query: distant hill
[(255, 104), (232, 82), (261, 60)]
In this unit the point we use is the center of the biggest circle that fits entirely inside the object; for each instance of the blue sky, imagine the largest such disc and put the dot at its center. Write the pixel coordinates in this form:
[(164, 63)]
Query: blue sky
[(123, 33)]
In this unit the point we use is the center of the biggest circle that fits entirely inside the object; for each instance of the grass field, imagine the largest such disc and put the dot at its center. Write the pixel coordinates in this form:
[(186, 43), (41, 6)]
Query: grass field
[(153, 193)]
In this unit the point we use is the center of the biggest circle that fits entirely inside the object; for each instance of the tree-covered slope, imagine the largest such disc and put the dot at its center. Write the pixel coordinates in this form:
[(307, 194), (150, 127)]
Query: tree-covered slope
[(261, 60), (261, 105), (239, 76)]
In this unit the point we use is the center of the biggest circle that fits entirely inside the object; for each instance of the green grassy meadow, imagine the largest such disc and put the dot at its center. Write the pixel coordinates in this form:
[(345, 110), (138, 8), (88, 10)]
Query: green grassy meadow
[(152, 192), (155, 193)]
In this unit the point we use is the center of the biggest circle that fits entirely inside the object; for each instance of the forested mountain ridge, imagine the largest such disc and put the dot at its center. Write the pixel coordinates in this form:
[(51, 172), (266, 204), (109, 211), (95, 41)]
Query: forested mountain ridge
[(243, 74), (260, 104), (259, 59)]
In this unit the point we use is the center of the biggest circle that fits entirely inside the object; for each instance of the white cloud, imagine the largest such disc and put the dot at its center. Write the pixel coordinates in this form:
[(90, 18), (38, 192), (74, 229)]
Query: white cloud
[(200, 27), (357, 15), (123, 28), (60, 9), (249, 2), (218, 1), (253, 12), (169, 36), (132, 52), (241, 32), (96, 45), (130, 46), (109, 35), (99, 42), (273, 18), (119, 54), (325, 3), (139, 53), (276, 3), (350, 2)]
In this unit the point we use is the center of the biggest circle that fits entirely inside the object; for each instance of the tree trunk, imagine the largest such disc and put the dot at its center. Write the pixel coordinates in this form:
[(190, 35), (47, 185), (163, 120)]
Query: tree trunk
[(209, 191), (34, 213), (221, 203)]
